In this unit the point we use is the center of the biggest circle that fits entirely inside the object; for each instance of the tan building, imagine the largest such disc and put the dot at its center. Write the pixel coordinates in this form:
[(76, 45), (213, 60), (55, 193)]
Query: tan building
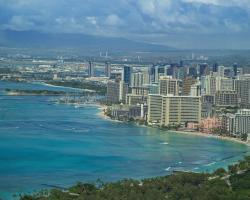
[(166, 110), (169, 86), (155, 108), (187, 83)]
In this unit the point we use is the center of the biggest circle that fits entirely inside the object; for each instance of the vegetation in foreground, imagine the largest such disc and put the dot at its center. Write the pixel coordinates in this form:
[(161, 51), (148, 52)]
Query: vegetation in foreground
[(233, 184)]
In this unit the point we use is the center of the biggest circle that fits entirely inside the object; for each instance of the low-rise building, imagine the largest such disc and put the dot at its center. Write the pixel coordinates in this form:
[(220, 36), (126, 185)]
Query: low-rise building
[(208, 124), (134, 99)]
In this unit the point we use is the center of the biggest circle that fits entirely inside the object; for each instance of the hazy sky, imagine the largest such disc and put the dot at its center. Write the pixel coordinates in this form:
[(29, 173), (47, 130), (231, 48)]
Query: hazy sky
[(178, 23)]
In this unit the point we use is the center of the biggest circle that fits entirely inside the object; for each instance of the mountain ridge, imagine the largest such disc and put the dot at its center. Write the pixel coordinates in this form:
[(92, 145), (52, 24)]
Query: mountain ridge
[(35, 39)]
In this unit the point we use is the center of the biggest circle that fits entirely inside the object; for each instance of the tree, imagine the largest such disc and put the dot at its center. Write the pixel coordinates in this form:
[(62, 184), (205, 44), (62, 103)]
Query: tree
[(232, 169), (244, 136), (220, 172)]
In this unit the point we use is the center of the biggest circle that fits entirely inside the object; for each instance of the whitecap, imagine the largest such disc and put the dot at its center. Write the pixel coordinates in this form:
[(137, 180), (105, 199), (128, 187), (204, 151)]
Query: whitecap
[(82, 131), (210, 164), (5, 128), (165, 143), (167, 169)]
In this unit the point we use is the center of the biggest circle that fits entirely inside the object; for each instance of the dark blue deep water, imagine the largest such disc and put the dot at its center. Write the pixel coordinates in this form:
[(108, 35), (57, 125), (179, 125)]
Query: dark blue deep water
[(43, 144)]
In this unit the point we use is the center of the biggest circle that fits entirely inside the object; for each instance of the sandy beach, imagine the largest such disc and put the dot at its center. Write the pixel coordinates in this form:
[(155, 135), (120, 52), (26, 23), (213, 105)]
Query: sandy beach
[(194, 133), (212, 136)]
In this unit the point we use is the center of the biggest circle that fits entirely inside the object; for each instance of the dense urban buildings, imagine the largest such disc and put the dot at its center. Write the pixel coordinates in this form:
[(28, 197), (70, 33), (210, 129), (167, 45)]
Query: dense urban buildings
[(216, 93), (203, 97)]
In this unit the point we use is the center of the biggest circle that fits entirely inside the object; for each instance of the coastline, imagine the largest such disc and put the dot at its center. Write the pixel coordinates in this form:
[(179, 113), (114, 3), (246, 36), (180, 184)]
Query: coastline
[(102, 115), (196, 133), (63, 87), (193, 133)]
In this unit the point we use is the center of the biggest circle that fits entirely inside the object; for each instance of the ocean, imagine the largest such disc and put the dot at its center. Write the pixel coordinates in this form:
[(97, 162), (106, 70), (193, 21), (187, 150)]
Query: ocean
[(48, 145)]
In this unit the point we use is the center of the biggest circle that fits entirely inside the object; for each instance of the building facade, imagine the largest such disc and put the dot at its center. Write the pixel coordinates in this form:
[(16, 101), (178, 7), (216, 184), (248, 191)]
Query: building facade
[(226, 98), (169, 86), (167, 110), (113, 92)]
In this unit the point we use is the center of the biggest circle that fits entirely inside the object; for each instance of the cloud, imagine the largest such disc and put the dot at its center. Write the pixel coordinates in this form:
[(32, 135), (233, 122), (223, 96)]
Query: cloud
[(19, 23), (113, 20), (92, 20), (143, 20)]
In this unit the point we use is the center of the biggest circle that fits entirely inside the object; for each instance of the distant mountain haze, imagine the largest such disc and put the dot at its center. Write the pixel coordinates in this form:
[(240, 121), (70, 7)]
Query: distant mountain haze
[(34, 39)]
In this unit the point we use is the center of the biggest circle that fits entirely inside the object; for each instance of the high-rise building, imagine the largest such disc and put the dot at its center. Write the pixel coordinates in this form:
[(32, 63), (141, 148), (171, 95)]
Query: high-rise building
[(139, 79), (235, 68), (242, 121), (212, 84), (169, 85), (167, 110), (113, 92), (195, 90), (239, 123), (154, 74), (153, 88), (116, 92), (203, 69), (221, 71), (228, 72), (107, 69), (192, 72), (186, 87), (246, 69), (242, 87), (208, 99), (123, 91), (90, 69), (209, 85), (126, 75), (226, 98), (166, 70), (215, 67), (155, 111), (224, 84), (180, 73)]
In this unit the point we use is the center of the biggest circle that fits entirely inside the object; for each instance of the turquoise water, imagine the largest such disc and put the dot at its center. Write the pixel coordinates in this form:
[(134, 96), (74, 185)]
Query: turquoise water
[(44, 144)]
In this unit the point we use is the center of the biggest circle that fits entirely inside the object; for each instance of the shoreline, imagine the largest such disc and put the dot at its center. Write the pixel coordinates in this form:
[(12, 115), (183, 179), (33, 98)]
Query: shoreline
[(64, 87), (102, 115), (192, 133), (196, 133)]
